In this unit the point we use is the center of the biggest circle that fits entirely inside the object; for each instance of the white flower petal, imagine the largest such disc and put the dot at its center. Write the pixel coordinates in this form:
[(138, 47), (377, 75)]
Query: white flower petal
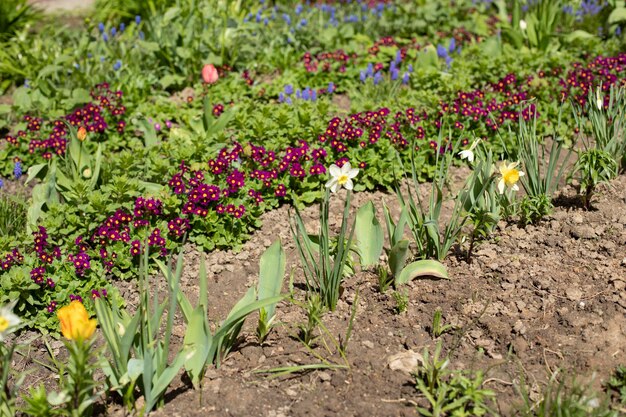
[(353, 173), (501, 186), (331, 182), (515, 187), (334, 187), (334, 170), (345, 168), (349, 184), (521, 174)]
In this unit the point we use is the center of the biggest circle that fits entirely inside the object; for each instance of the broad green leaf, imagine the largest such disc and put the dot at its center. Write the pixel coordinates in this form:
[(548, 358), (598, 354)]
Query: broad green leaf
[(398, 255), (271, 274), (423, 268), (369, 235)]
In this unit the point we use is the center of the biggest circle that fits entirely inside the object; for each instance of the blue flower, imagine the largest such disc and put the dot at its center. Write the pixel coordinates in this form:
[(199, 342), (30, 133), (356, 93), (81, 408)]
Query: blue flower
[(89, 55), (287, 19), (410, 68), (105, 37), (395, 74), (299, 9), (113, 31), (298, 93), (370, 69), (122, 27), (448, 61), (442, 52), (331, 87), (378, 78), (304, 22), (288, 100), (117, 65), (618, 31), (137, 19), (452, 45), (142, 36), (102, 59), (1, 183), (101, 27), (306, 94), (398, 57), (266, 21), (17, 170), (289, 89), (258, 17), (281, 97), (405, 78), (363, 76), (26, 83)]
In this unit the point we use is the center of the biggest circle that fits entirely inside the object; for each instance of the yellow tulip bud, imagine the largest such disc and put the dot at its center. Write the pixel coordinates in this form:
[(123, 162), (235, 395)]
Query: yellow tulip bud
[(75, 322), (81, 134)]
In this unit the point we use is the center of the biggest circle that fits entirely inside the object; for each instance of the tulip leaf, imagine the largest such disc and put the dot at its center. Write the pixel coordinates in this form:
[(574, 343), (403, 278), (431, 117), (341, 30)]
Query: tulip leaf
[(423, 268), (398, 255), (369, 235), (271, 274)]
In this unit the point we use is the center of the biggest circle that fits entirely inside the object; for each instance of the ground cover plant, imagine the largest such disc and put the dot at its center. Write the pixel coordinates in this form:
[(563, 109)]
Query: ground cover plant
[(144, 133)]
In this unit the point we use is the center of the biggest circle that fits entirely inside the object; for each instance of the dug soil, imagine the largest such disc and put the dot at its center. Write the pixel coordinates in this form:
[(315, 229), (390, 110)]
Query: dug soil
[(534, 301)]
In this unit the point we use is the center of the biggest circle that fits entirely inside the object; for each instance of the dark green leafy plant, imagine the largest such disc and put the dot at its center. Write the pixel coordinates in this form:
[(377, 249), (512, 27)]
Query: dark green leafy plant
[(594, 167)]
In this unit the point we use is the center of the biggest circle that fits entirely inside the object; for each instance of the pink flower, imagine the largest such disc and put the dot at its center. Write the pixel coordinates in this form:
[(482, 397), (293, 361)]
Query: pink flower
[(209, 74)]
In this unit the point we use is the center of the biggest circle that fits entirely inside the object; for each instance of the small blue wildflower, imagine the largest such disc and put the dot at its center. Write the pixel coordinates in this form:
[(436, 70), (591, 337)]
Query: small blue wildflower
[(398, 57), (298, 93), (392, 66), (137, 19), (122, 27), (266, 21), (363, 76), (370, 69), (331, 87), (101, 27), (304, 22), (452, 45), (113, 31), (395, 74), (618, 31), (288, 100), (117, 65), (410, 68), (287, 19), (442, 52), (258, 17), (289, 89), (142, 36), (105, 37), (405, 78), (1, 183), (89, 55), (306, 94), (281, 97), (26, 83), (76, 65), (299, 9), (17, 170), (448, 61), (378, 78), (313, 95)]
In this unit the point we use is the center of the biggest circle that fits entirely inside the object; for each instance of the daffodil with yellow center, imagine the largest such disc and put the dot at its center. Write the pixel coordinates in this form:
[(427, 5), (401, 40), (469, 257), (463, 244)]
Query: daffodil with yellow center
[(341, 177), (509, 176)]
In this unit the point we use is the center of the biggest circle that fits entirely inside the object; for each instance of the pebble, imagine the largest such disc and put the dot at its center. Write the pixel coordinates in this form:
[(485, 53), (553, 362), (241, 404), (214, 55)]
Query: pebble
[(583, 232), (368, 344)]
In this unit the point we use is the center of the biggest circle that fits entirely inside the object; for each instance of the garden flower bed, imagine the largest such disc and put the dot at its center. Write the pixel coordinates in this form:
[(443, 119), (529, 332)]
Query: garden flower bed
[(334, 207)]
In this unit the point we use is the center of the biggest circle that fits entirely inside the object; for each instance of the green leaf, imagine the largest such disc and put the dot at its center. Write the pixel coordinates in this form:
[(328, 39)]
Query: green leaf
[(617, 15), (369, 235), (398, 255), (271, 274), (197, 343), (423, 268)]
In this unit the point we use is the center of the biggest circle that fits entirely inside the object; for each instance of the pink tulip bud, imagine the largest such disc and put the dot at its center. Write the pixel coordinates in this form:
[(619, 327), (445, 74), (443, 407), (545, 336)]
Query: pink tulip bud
[(209, 74)]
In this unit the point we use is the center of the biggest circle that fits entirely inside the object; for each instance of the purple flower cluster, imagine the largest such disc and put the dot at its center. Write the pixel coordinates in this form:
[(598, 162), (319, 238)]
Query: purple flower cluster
[(145, 210), (10, 259), (178, 227)]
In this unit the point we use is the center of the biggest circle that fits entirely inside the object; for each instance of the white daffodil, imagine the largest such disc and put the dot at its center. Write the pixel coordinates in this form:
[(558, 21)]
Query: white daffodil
[(522, 24), (341, 177), (8, 320), (510, 175), (469, 153)]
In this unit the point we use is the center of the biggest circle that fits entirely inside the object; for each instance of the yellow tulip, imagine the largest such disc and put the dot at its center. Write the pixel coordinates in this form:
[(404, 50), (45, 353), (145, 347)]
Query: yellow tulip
[(75, 322)]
